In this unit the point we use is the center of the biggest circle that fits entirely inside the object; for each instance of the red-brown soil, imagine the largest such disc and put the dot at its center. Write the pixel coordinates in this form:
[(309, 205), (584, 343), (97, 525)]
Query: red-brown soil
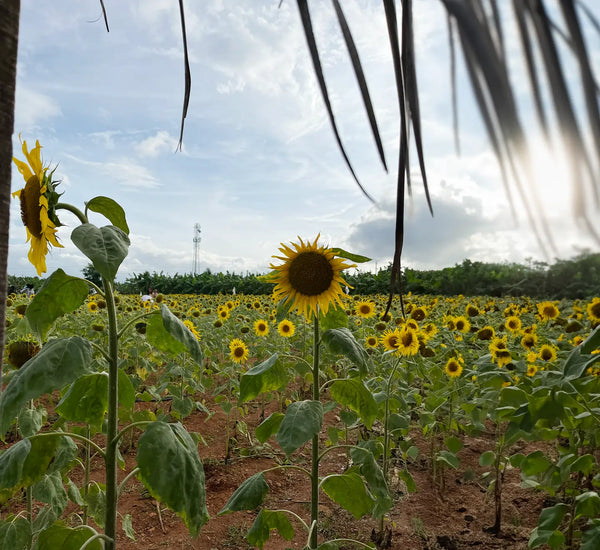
[(454, 517)]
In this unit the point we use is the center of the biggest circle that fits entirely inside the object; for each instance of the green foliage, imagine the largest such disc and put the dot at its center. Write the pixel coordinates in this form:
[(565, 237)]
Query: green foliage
[(60, 294), (172, 471), (59, 363), (106, 247)]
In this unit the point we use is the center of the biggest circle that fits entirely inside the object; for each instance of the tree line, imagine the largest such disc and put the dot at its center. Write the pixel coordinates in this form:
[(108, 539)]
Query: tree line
[(578, 277)]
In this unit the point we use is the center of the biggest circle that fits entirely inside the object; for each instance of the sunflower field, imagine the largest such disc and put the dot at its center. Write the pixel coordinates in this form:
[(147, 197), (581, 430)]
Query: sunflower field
[(448, 369)]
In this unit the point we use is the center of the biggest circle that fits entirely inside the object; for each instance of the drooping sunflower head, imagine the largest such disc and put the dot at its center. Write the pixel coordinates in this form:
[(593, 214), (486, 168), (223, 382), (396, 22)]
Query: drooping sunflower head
[(486, 333), (238, 351), (38, 199), (309, 277)]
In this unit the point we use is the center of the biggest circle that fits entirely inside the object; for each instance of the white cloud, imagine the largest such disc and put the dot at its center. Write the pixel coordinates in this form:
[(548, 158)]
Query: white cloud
[(161, 142), (33, 108)]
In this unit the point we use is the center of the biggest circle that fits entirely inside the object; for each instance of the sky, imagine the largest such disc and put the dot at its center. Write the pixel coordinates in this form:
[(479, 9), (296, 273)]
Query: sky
[(259, 164)]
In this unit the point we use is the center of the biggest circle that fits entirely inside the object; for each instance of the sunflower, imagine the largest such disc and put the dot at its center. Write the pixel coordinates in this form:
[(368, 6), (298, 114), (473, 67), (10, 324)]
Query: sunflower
[(309, 277), (531, 370), (529, 340), (261, 328), (223, 313), (389, 339), (547, 311), (513, 323), (286, 328), (371, 341), (462, 324), (593, 310), (500, 352), (38, 199), (238, 351), (547, 353), (365, 308), (92, 306), (486, 333), (408, 342), (454, 367), (418, 313), (471, 310), (192, 328)]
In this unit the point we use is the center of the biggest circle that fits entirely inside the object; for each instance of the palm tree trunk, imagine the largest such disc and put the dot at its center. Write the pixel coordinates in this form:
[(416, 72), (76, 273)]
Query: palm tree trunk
[(9, 39)]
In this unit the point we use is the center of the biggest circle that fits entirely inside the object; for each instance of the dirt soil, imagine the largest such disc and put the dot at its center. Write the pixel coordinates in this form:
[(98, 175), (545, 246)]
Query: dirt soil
[(455, 516)]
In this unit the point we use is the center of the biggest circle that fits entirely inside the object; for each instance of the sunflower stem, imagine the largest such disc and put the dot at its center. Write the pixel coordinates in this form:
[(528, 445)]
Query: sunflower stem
[(73, 209), (314, 511), (112, 442)]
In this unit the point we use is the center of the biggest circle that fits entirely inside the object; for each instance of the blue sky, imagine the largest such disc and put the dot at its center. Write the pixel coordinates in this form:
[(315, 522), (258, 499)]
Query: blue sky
[(259, 165)]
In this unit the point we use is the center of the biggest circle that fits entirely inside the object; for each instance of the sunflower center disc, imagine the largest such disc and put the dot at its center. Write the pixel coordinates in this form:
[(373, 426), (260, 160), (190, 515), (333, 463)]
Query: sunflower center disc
[(310, 273), (30, 206)]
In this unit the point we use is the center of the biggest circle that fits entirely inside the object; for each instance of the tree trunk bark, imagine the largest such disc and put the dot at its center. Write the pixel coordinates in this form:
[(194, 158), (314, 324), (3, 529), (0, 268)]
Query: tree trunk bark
[(9, 39)]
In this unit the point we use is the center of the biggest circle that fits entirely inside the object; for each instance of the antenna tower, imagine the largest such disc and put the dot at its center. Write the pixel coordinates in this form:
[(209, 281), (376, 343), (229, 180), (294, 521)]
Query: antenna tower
[(197, 240)]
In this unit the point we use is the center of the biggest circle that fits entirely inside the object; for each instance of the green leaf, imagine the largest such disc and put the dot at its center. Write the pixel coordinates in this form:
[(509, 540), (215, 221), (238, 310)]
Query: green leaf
[(487, 458), (335, 318), (172, 471), (11, 467), (350, 256), (248, 496), (126, 395), (128, 527), (50, 490), (592, 342), (86, 401), (283, 308), (342, 341), (15, 534), (25, 463), (182, 407), (31, 421), (270, 375), (590, 538), (584, 463), (269, 426), (57, 364), (66, 538), (111, 209), (302, 421), (349, 491), (106, 247), (453, 443), (265, 522), (96, 502), (373, 474), (535, 463), (60, 294), (548, 523), (352, 393), (74, 494), (587, 504), (448, 458), (167, 333), (409, 481)]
